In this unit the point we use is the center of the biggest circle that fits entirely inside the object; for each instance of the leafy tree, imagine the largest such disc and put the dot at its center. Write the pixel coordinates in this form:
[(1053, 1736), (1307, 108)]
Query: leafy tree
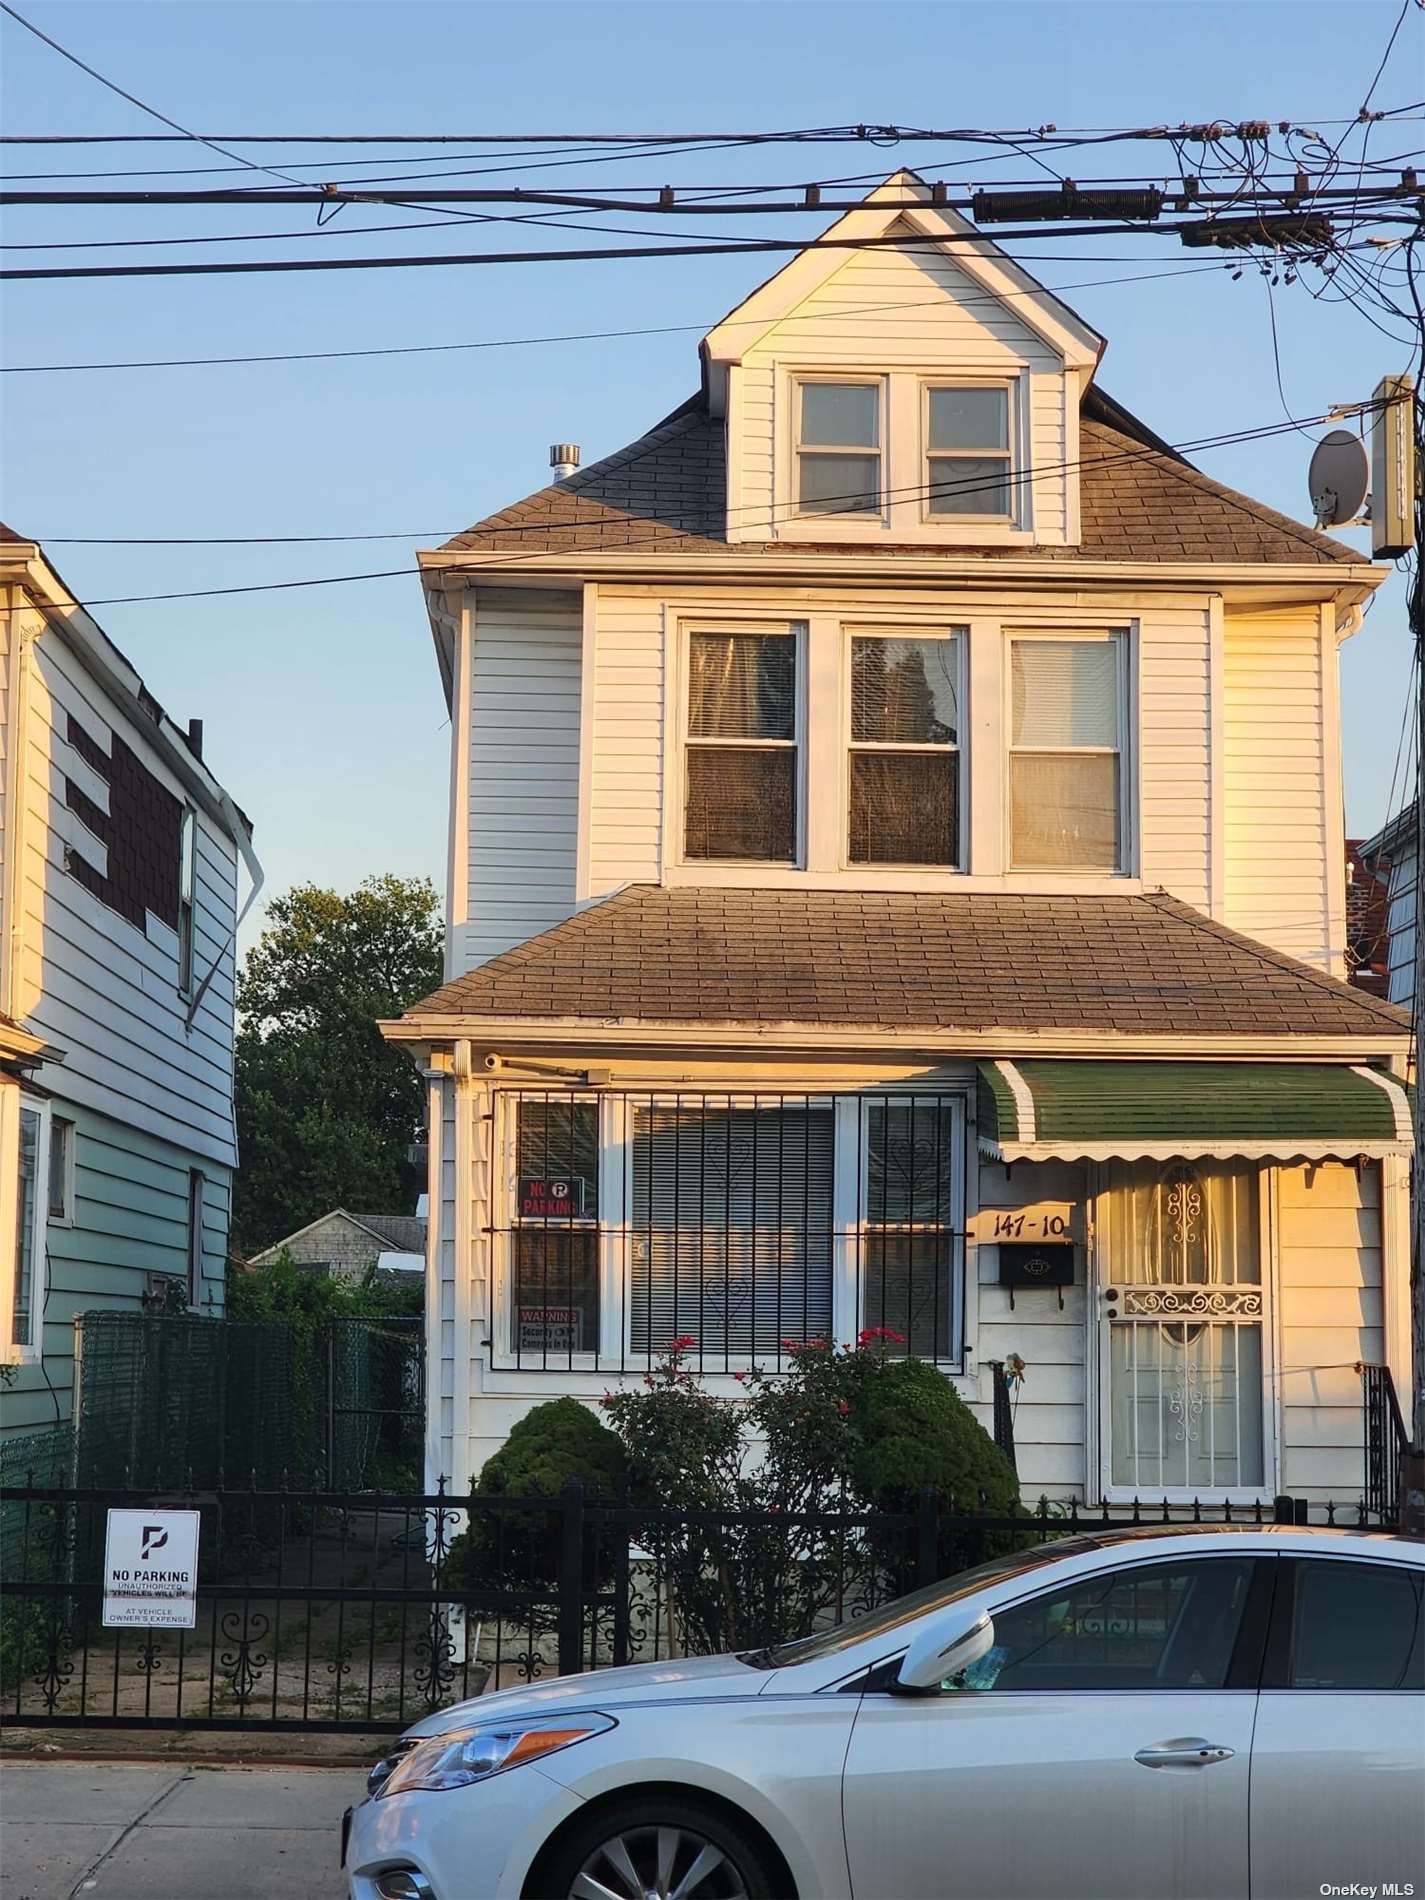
[(326, 1109)]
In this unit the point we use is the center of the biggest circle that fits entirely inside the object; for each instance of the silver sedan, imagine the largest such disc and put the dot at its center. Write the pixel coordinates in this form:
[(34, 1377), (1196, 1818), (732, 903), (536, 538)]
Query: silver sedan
[(1175, 1713)]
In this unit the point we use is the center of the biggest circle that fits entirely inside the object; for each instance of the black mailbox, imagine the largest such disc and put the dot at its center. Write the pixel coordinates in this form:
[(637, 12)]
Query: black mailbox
[(1026, 1264)]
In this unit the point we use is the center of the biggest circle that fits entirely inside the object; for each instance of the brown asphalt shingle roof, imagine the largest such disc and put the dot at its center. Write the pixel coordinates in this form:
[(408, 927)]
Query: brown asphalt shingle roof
[(666, 493), (1134, 964)]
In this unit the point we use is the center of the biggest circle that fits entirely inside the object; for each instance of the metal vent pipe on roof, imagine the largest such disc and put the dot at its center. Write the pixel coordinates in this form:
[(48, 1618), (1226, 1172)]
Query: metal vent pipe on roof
[(563, 459)]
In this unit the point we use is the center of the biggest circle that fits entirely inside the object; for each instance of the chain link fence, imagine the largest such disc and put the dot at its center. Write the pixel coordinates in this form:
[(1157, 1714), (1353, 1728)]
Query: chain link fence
[(169, 1402)]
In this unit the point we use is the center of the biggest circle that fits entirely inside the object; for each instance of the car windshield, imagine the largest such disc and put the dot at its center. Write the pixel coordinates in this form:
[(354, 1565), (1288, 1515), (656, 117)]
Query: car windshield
[(902, 1610)]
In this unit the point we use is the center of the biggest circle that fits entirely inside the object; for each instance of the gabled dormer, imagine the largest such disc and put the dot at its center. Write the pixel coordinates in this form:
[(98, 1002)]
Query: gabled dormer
[(902, 383)]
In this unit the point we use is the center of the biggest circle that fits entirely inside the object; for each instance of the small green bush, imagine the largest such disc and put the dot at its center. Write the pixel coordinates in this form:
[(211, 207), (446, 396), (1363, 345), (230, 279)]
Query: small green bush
[(910, 1430), (553, 1443)]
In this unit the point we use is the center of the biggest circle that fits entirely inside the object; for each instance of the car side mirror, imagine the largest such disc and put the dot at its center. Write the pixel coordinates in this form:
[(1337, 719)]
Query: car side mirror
[(951, 1644)]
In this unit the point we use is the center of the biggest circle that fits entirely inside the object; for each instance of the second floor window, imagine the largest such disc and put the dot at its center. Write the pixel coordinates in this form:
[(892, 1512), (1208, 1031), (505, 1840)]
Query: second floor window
[(741, 793), (905, 760), (839, 449), (1066, 757)]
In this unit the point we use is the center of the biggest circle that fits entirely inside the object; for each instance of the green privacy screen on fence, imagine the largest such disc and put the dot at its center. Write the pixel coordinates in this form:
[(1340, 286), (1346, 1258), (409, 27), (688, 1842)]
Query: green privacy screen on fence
[(169, 1401)]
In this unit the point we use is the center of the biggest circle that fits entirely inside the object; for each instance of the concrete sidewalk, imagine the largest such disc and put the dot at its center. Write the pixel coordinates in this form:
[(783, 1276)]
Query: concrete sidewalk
[(72, 1830)]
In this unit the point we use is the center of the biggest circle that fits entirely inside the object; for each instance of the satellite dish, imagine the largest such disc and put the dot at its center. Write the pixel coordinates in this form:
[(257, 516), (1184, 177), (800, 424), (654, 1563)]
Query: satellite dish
[(1339, 476)]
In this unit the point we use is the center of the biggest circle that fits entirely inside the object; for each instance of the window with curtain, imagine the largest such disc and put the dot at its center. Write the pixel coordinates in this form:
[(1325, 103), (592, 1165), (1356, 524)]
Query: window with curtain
[(1182, 1247), (730, 1225), (839, 448), (741, 753), (1066, 753), (910, 1239), (554, 1311), (967, 452), (905, 758)]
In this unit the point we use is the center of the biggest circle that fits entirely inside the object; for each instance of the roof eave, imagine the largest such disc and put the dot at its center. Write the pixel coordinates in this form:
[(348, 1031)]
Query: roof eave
[(1347, 582), (717, 1038)]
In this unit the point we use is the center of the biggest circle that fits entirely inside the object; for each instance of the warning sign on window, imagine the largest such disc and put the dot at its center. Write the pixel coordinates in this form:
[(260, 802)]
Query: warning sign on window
[(552, 1197)]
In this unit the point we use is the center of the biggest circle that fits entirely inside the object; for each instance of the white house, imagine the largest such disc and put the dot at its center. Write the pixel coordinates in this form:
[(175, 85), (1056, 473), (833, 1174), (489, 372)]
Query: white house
[(897, 879), (119, 877)]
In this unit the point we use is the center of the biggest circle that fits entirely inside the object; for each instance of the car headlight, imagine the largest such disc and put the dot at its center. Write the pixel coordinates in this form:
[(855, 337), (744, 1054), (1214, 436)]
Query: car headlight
[(465, 1755)]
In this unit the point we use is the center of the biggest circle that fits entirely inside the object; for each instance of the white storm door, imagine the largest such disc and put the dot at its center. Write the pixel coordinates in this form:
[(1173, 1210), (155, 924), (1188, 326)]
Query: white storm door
[(1183, 1339)]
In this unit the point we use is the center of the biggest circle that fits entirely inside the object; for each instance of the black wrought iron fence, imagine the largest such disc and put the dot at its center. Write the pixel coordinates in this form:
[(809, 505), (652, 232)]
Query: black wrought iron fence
[(364, 1611)]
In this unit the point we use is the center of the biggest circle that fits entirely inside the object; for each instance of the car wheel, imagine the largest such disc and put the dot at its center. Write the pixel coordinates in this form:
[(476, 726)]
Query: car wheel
[(657, 1849)]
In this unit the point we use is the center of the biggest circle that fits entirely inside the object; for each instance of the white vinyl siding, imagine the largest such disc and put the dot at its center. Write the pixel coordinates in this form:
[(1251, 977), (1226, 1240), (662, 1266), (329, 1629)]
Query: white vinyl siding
[(95, 984), (523, 786), (1330, 1309), (1171, 778), (889, 309), (1285, 865)]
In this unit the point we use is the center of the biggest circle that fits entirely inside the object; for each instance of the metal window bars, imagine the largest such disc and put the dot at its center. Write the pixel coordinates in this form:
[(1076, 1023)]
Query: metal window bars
[(746, 1221)]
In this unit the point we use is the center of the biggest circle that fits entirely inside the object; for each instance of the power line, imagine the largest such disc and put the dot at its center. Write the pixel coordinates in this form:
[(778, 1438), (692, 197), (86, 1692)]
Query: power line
[(152, 111), (938, 487), (716, 248), (581, 336)]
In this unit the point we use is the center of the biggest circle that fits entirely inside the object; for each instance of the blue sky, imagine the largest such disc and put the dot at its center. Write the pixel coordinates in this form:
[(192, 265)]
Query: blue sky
[(323, 708)]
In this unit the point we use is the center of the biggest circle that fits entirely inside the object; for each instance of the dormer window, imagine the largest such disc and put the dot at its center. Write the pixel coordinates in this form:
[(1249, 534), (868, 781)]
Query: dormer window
[(967, 451), (839, 442)]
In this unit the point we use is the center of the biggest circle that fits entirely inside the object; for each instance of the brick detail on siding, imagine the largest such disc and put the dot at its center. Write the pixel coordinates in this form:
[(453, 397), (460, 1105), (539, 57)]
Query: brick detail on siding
[(142, 832)]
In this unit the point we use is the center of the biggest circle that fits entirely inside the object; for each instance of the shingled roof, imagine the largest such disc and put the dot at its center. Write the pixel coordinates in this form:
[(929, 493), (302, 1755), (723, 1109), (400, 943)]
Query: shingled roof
[(1143, 965), (666, 493)]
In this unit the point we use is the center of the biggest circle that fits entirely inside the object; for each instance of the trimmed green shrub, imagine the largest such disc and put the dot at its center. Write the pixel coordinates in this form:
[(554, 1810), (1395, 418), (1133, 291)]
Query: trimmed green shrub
[(911, 1429), (551, 1444)]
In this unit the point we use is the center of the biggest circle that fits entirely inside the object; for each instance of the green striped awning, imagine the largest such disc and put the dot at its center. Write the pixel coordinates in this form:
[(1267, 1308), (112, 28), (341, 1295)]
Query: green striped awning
[(1040, 1110)]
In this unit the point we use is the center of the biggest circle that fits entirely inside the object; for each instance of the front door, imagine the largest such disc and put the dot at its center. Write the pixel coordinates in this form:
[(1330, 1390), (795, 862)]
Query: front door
[(1100, 1751), (1182, 1336)]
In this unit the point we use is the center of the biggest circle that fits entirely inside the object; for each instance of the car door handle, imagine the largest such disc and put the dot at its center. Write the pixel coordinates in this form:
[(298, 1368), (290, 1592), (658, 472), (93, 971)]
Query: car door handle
[(1190, 1751)]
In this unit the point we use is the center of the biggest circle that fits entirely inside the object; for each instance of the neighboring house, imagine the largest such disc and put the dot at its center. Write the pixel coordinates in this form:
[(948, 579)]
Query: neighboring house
[(119, 872), (1393, 854), (897, 880), (348, 1246), (1367, 920)]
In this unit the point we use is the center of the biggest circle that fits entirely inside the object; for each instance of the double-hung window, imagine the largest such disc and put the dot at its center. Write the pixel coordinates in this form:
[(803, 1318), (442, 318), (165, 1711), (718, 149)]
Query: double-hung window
[(1066, 763), (839, 448), (905, 758), (554, 1311), (967, 452), (31, 1195), (741, 755)]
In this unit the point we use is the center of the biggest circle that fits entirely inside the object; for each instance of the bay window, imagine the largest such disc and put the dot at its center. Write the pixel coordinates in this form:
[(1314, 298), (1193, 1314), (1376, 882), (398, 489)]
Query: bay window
[(741, 755), (839, 448), (904, 760), (1066, 763)]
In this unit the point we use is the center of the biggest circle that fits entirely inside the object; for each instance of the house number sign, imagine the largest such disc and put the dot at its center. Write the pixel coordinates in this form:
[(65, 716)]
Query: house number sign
[(1043, 1220)]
